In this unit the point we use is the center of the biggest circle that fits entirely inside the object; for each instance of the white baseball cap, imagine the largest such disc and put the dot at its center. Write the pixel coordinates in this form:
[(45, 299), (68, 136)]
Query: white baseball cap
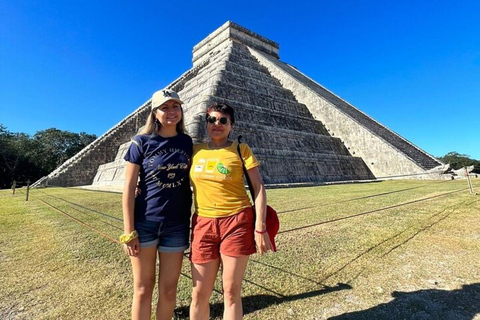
[(162, 96)]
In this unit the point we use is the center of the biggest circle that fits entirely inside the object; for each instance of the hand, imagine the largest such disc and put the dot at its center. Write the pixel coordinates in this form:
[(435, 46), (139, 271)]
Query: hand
[(132, 248), (262, 241), (138, 191)]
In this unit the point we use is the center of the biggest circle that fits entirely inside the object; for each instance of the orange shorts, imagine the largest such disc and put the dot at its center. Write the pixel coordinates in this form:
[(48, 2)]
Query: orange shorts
[(232, 236)]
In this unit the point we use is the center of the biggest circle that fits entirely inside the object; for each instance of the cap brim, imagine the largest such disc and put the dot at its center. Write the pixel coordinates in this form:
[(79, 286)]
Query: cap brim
[(159, 104), (178, 100)]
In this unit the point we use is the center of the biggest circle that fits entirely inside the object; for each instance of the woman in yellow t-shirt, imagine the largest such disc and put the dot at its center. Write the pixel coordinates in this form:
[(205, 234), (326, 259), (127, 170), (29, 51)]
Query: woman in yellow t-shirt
[(224, 228)]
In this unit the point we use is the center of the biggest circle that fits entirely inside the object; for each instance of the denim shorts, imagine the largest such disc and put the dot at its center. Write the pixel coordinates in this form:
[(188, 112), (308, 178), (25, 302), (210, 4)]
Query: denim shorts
[(167, 236)]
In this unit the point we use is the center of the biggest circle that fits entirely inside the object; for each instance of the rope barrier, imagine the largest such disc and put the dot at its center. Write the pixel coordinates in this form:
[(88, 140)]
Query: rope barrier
[(360, 198), (79, 205), (348, 200), (371, 211), (80, 221), (104, 222), (85, 213)]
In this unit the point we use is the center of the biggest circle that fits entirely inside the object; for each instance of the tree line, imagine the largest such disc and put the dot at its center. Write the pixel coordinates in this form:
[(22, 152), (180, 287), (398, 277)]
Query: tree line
[(24, 157)]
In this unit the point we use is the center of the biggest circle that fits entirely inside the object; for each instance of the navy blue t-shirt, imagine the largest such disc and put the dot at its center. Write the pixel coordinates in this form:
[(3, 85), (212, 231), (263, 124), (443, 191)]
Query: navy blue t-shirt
[(164, 181)]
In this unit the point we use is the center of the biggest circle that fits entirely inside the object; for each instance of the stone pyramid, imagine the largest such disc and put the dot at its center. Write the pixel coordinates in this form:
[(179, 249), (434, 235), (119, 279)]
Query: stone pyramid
[(300, 131)]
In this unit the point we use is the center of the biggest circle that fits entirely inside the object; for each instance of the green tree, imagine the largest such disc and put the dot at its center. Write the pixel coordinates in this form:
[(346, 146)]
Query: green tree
[(458, 160), (55, 146), (25, 158), (16, 151)]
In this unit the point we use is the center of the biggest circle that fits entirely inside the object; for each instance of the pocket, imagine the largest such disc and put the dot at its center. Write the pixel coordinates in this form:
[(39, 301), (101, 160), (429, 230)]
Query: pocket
[(246, 216), (200, 223)]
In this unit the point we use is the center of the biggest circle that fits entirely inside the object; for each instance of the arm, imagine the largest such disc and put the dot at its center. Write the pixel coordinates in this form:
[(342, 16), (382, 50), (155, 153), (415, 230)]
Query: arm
[(262, 240), (128, 201)]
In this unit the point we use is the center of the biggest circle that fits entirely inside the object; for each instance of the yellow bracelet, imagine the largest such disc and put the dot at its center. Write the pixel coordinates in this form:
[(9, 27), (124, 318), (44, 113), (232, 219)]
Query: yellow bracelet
[(126, 238)]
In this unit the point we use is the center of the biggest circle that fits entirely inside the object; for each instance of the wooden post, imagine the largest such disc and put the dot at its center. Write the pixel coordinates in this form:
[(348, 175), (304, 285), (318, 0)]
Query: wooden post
[(28, 188), (14, 185), (469, 182)]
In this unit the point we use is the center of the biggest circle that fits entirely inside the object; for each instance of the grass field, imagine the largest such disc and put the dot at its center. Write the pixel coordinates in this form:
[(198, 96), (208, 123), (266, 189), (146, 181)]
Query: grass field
[(385, 250)]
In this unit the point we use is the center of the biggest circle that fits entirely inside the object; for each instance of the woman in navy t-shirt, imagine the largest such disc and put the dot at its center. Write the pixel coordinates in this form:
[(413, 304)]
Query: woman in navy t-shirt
[(158, 219)]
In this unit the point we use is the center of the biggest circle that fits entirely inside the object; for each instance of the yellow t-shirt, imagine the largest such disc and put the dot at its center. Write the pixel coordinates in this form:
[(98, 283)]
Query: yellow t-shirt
[(217, 179)]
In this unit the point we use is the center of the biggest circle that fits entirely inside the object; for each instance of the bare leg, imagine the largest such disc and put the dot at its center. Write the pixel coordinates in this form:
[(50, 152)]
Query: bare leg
[(203, 276), (233, 272), (143, 267), (168, 274)]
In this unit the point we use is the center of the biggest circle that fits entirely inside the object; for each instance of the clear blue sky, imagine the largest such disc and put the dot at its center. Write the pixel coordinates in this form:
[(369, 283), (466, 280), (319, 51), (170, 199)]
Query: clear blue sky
[(414, 66)]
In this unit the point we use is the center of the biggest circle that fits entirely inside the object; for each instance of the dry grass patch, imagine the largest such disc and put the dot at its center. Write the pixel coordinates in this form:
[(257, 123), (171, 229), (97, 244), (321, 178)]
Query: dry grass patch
[(412, 261)]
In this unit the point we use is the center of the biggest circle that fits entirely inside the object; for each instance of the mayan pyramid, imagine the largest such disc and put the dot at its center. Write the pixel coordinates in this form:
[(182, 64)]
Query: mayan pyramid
[(300, 131)]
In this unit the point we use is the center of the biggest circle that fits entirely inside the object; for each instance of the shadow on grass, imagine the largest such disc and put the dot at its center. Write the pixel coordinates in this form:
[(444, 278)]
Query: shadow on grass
[(461, 304), (262, 301)]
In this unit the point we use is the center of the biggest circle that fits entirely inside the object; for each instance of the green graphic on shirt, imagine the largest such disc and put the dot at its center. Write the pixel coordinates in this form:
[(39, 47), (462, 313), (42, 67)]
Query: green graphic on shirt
[(222, 169)]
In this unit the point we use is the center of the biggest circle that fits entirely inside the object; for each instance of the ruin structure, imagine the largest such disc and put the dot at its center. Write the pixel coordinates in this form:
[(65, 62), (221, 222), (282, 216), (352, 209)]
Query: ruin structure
[(300, 131)]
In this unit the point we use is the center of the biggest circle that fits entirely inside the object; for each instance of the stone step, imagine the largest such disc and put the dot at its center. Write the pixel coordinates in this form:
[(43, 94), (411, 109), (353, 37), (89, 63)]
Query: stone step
[(252, 96), (275, 169), (249, 114), (244, 71), (264, 137), (261, 86), (265, 152)]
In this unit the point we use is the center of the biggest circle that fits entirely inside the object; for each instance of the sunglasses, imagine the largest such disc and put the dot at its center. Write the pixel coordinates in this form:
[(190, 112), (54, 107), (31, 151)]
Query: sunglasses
[(212, 120)]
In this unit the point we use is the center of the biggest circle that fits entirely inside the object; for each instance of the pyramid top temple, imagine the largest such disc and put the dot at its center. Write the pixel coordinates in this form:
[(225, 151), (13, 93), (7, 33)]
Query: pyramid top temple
[(300, 131), (231, 31)]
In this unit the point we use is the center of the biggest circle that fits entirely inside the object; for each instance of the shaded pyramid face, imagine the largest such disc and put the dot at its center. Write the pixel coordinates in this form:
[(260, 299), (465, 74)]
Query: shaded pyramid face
[(300, 131)]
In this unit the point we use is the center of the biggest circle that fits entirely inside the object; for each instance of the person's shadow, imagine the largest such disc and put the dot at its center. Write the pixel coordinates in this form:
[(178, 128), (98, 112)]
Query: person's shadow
[(261, 301), (461, 304)]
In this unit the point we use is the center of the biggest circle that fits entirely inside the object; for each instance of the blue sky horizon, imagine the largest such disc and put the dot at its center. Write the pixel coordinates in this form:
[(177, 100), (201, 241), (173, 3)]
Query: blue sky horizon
[(83, 66)]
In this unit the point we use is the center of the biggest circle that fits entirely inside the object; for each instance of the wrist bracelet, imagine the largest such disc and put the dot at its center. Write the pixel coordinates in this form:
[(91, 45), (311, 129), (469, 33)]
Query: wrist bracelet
[(127, 237), (261, 232)]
